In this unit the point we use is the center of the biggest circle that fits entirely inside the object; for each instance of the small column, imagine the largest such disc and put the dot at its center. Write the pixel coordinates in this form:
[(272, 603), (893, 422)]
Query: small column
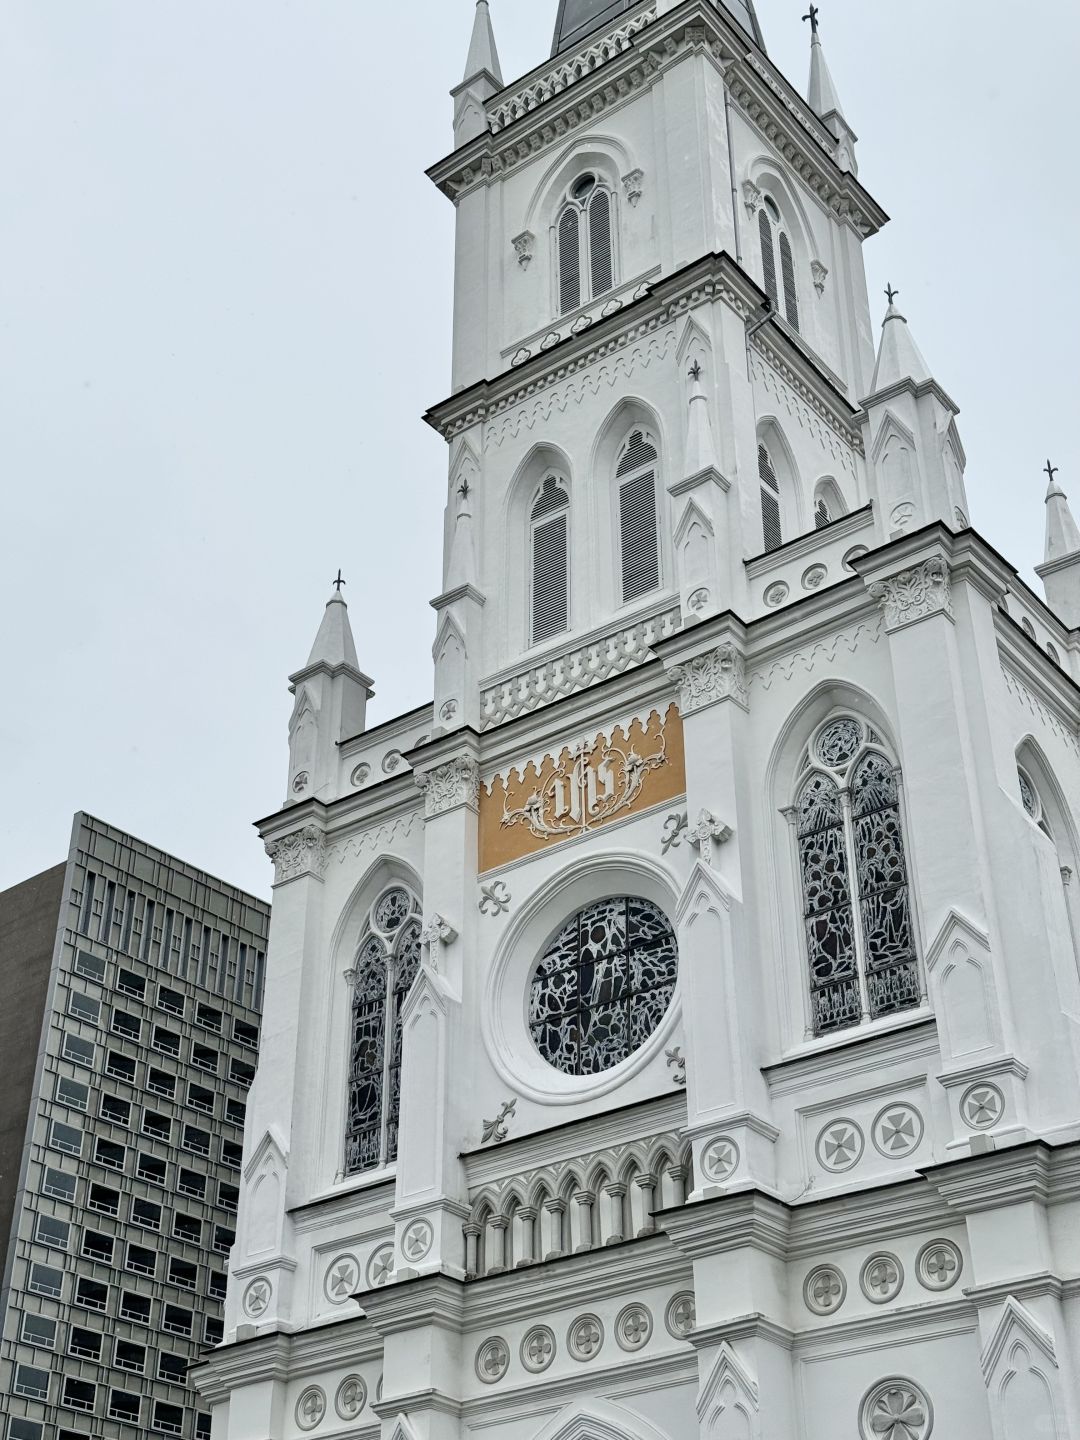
[(616, 1194), (472, 1250), (677, 1176), (584, 1200), (498, 1245), (647, 1185), (557, 1210), (528, 1238)]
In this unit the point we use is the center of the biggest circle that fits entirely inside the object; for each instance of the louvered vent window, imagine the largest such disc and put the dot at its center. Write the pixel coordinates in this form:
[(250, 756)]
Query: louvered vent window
[(550, 562), (638, 531), (586, 248), (771, 528), (778, 262), (822, 517)]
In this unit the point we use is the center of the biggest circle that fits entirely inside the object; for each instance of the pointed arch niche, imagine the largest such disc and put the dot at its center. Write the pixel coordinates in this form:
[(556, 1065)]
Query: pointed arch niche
[(847, 917), (633, 562), (779, 503), (351, 978), (1054, 839), (783, 244), (542, 526)]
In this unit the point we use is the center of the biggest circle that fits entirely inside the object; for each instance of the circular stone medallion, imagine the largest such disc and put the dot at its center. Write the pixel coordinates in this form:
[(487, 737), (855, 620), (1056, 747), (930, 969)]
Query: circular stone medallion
[(897, 1131), (351, 1397), (882, 1278), (492, 1360), (939, 1265), (825, 1290), (633, 1327), (720, 1159), (840, 1146), (342, 1279), (538, 1349), (310, 1408), (982, 1106), (380, 1266), (416, 1241), (585, 1338), (257, 1297), (680, 1316), (896, 1409)]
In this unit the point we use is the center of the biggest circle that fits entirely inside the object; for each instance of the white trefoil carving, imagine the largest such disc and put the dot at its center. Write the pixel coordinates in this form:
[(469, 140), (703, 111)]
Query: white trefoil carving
[(914, 594), (450, 785), (524, 247), (708, 832), (633, 185), (719, 674), (301, 853)]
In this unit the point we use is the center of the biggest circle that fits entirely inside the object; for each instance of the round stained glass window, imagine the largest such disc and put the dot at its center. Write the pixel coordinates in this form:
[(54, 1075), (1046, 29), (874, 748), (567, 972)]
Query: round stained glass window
[(838, 742), (603, 986), (391, 909)]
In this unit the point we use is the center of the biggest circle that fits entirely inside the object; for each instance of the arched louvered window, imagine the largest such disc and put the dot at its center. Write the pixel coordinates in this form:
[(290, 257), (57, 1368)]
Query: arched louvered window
[(550, 535), (639, 540), (856, 902), (778, 262), (828, 504), (386, 966), (772, 530), (586, 247)]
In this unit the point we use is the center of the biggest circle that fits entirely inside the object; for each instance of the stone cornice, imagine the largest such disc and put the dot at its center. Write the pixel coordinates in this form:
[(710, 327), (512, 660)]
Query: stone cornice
[(342, 668), (756, 87), (990, 1182), (407, 1304), (753, 1326), (748, 1218), (916, 388), (1022, 1287), (853, 523)]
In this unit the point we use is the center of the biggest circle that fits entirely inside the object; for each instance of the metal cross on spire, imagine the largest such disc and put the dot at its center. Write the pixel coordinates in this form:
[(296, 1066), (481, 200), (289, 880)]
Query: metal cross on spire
[(340, 581), (891, 293), (1051, 471), (812, 17)]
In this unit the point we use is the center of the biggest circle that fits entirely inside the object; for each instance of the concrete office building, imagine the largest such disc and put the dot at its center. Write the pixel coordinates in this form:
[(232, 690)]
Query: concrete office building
[(130, 991)]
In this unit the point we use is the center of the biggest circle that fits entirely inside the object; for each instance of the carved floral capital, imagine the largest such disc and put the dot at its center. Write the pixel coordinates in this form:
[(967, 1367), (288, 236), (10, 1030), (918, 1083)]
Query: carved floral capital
[(524, 248), (751, 197), (301, 853), (633, 184), (450, 785), (719, 674), (915, 594)]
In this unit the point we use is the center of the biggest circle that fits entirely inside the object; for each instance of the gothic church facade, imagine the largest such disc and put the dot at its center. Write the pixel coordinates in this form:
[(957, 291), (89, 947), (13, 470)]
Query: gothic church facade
[(674, 1029)]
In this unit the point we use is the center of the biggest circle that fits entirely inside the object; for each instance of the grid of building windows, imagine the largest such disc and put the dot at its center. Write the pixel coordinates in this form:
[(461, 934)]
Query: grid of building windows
[(126, 1211)]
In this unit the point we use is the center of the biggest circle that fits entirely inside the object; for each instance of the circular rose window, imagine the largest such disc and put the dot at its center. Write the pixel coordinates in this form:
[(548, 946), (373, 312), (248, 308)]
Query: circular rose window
[(603, 986)]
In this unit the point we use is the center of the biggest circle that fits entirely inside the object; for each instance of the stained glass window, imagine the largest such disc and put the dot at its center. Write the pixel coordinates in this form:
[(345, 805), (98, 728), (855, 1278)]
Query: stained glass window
[(603, 985), (386, 966), (856, 898)]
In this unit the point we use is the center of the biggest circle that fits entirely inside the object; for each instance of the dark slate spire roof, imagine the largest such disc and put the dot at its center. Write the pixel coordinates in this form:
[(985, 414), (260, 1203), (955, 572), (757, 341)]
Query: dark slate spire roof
[(579, 18)]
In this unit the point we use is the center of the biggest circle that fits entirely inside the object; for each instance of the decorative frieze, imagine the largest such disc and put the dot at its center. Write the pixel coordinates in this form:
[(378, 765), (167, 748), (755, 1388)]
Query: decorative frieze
[(301, 853), (449, 786), (718, 674), (914, 594)]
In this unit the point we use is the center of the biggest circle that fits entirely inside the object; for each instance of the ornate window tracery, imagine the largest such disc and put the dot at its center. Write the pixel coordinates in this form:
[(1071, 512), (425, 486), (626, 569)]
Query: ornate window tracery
[(585, 243), (639, 538), (603, 985), (778, 262), (386, 966), (860, 936)]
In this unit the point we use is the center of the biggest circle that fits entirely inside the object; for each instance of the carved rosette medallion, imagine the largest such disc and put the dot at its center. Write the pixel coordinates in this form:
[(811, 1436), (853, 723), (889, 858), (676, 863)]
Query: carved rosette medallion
[(896, 1409), (720, 1159), (680, 1317), (417, 1240), (449, 786), (492, 1360), (301, 853), (257, 1296), (982, 1106), (310, 1408), (342, 1279), (840, 1146), (705, 680), (897, 1131), (915, 594), (351, 1397), (939, 1265), (825, 1290), (380, 1266), (881, 1278), (538, 1349), (585, 1338), (633, 1327)]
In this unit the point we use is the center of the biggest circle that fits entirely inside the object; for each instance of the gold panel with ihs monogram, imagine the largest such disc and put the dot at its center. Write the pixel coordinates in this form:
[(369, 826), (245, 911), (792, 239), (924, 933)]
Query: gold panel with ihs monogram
[(589, 784)]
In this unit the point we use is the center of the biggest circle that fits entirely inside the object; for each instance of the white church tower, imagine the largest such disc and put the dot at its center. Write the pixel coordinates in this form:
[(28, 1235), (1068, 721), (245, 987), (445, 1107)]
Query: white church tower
[(673, 1031)]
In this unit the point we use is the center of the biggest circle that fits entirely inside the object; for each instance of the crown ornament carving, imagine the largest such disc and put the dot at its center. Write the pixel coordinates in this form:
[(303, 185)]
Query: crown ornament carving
[(301, 853), (716, 675), (450, 785), (914, 594)]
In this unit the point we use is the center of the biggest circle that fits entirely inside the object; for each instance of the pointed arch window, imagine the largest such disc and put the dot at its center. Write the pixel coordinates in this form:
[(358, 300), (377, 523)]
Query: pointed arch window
[(828, 504), (550, 559), (639, 539), (585, 243), (772, 530), (778, 262), (860, 934), (386, 966)]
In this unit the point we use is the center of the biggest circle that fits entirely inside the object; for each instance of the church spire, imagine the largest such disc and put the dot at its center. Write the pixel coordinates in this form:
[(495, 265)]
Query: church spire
[(334, 643), (899, 358), (823, 97), (483, 53), (1060, 570)]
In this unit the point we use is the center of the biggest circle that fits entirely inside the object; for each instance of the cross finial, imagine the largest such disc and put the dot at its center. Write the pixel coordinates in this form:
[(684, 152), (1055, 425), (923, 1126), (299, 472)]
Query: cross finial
[(812, 17), (695, 370), (1051, 471), (339, 581), (891, 293)]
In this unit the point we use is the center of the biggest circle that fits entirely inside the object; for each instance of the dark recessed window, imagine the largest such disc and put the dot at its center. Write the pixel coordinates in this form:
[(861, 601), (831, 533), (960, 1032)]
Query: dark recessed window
[(183, 1273), (103, 1199), (190, 1182), (72, 1093), (79, 1051), (224, 1238), (135, 1307), (84, 1007), (46, 1280), (116, 1110), (197, 1140), (20, 1429), (169, 1419), (207, 1018), (90, 965), (186, 1227), (170, 1000), (172, 1368), (51, 1231), (232, 1154), (66, 1138), (242, 1073), (152, 1170), (161, 1082), (246, 1034), (129, 1026), (228, 1197), (213, 1331), (59, 1185), (145, 1214), (39, 1330), (199, 1098), (31, 1382), (78, 1394), (123, 1405), (204, 1058), (160, 1126), (141, 1260), (216, 1284), (235, 1112), (176, 1320), (131, 984), (84, 1343), (166, 1040), (107, 1152), (120, 1067), (129, 1356), (96, 1246), (91, 1294)]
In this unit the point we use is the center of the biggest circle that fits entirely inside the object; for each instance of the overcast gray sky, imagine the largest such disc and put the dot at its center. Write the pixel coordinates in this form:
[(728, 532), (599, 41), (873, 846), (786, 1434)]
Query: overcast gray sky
[(225, 302)]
